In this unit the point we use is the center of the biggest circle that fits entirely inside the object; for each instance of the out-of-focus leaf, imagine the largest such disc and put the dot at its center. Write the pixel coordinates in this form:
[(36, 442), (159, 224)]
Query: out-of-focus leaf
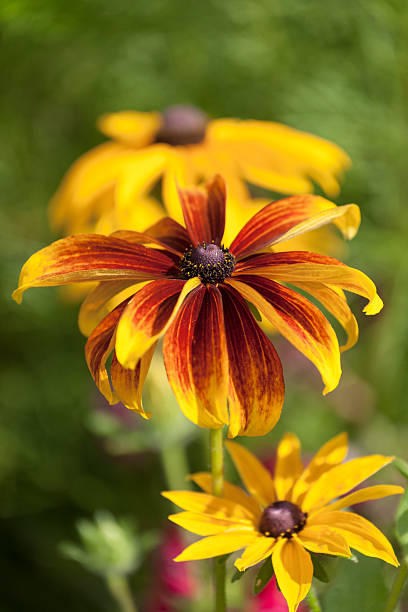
[(402, 523), (237, 575), (263, 576), (402, 466), (319, 571), (357, 587)]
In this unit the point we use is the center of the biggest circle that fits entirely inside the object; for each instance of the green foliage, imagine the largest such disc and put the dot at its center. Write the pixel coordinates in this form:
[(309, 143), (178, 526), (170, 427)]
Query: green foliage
[(263, 576)]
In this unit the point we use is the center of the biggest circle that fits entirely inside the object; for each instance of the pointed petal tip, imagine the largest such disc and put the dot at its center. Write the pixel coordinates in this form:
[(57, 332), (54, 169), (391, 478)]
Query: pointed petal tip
[(374, 306)]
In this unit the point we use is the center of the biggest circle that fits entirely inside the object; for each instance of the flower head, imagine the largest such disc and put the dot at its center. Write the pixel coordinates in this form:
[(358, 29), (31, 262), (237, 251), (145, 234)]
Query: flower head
[(287, 515), (112, 183), (192, 290)]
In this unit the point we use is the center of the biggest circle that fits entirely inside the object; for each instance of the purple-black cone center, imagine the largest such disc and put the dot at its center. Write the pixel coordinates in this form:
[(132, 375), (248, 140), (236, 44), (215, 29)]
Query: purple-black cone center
[(282, 519), (210, 262), (182, 125)]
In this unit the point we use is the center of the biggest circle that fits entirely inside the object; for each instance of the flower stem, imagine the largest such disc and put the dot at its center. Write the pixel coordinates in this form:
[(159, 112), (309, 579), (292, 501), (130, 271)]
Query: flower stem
[(313, 600), (397, 587), (119, 588), (217, 472)]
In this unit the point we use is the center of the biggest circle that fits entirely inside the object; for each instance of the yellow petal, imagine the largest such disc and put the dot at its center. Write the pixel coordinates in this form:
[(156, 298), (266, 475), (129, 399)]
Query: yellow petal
[(288, 465), (216, 545), (131, 127), (128, 383), (255, 476), (217, 507), (255, 552), (322, 539), (205, 525), (294, 571), (359, 533), (332, 453), (232, 492), (341, 479), (362, 495)]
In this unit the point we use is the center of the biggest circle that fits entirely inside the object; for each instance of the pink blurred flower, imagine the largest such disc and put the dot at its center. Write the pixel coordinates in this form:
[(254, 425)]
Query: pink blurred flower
[(270, 599)]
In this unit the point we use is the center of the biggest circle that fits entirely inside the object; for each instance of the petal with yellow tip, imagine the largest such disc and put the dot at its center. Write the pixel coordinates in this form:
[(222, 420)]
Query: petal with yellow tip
[(255, 476), (294, 571), (128, 383)]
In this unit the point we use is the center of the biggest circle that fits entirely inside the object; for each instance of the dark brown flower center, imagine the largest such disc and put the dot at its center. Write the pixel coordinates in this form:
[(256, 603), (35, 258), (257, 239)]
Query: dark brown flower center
[(182, 125), (282, 519), (210, 262)]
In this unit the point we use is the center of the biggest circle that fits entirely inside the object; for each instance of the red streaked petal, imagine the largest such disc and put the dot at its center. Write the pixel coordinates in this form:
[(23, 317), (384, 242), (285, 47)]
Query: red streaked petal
[(90, 257), (204, 212), (166, 233), (335, 301), (195, 357), (287, 218), (256, 386), (298, 320), (98, 347), (148, 316), (128, 384), (303, 266)]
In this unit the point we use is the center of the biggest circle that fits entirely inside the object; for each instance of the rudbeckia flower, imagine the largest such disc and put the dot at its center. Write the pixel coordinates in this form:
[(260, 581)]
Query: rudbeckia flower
[(110, 186), (222, 367), (297, 511)]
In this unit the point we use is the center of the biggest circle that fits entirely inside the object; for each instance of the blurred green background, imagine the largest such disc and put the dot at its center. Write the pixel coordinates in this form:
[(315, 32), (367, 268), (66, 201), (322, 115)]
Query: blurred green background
[(339, 70)]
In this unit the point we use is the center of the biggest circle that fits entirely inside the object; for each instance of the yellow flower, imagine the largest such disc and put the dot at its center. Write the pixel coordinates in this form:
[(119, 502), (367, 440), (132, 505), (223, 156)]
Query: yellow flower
[(109, 187), (288, 515)]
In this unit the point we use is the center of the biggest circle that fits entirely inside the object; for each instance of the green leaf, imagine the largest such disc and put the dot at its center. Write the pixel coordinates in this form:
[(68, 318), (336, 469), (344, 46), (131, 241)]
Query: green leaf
[(263, 576), (254, 311), (237, 575), (357, 586), (319, 571), (402, 466)]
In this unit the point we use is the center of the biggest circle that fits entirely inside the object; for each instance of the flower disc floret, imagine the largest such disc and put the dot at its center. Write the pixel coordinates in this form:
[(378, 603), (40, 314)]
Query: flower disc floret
[(210, 262), (283, 518)]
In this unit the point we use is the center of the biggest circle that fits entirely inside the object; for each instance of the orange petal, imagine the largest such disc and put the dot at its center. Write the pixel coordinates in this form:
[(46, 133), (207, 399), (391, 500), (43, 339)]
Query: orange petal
[(196, 359), (256, 386), (171, 233), (254, 475), (341, 479), (288, 465), (282, 220), (99, 346), (294, 571), (92, 257), (359, 534), (128, 384), (204, 212), (295, 266), (148, 316), (298, 320), (332, 453)]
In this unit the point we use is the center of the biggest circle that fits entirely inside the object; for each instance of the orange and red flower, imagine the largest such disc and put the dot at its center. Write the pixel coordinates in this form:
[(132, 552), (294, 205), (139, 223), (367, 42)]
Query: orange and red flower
[(190, 289)]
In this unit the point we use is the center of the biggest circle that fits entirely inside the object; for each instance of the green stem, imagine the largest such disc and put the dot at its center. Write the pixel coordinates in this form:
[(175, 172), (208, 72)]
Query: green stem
[(313, 600), (217, 473), (397, 587), (119, 588)]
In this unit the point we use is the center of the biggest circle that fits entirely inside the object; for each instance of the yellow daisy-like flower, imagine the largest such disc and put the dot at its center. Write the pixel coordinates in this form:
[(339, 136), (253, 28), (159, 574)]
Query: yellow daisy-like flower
[(109, 187), (287, 515)]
